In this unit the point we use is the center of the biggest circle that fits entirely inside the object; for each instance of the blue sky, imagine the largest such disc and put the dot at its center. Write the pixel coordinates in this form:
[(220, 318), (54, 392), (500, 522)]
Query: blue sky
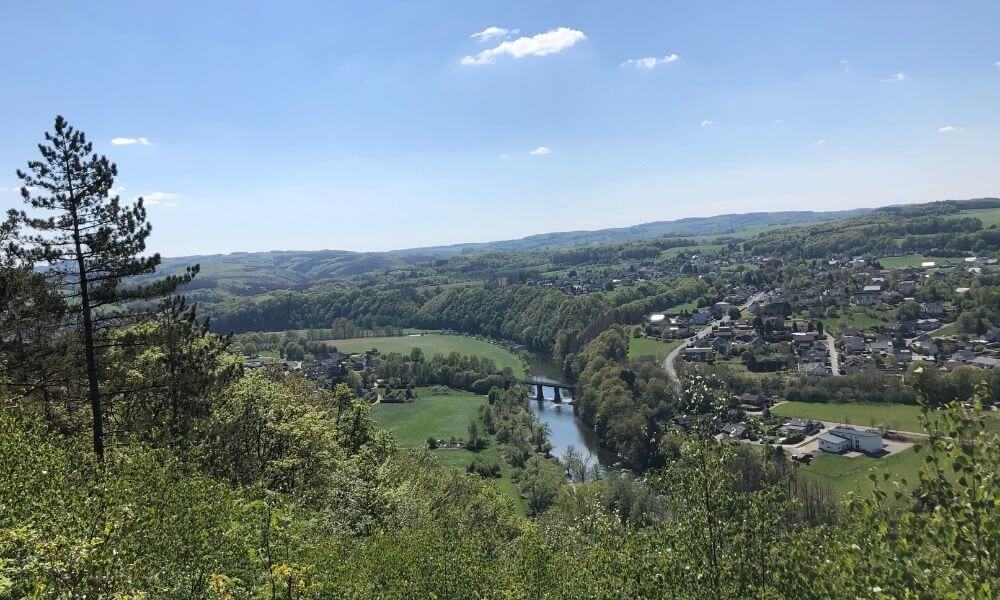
[(372, 126)]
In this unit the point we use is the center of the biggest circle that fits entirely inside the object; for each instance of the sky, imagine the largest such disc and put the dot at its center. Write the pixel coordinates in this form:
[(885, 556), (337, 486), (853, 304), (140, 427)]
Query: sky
[(251, 126)]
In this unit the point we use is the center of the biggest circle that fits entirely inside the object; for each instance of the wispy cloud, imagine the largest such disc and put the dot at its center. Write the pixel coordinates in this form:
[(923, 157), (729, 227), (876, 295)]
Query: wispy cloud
[(128, 141), (707, 123), (542, 44), (540, 151), (160, 198), (894, 78), (950, 129), (996, 64), (504, 156), (820, 142), (650, 62), (493, 32)]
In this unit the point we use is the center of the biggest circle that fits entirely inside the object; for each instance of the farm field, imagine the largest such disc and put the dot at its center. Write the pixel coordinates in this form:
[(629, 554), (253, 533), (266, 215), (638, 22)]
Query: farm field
[(904, 417), (846, 474), (440, 415), (649, 347), (989, 216), (698, 249), (913, 260), (434, 343)]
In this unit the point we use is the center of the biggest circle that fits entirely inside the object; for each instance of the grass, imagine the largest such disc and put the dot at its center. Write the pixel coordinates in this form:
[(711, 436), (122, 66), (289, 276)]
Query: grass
[(845, 474), (649, 347), (444, 416), (434, 343), (853, 317), (904, 417), (989, 216), (913, 260), (699, 249), (678, 309), (438, 415)]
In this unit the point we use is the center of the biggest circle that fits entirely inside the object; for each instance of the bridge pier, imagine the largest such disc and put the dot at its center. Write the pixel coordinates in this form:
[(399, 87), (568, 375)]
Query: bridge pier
[(556, 398), (539, 396)]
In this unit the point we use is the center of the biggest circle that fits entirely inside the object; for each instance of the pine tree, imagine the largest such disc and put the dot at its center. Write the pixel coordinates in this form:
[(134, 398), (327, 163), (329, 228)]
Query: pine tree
[(93, 244)]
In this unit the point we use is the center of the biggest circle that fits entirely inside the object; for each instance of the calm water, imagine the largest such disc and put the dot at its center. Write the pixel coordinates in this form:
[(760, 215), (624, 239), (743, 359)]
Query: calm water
[(565, 428)]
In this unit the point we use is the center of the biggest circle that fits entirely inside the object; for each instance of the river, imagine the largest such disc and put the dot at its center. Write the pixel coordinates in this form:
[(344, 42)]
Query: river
[(565, 429)]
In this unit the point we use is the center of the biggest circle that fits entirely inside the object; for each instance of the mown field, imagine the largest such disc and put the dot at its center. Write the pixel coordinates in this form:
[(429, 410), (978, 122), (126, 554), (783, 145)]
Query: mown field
[(913, 260), (854, 317), (904, 417), (440, 415), (434, 343), (649, 347), (444, 416), (845, 474)]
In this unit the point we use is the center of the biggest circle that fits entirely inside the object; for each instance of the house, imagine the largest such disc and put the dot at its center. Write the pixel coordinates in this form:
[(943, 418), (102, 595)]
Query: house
[(933, 309), (881, 344), (985, 362), (699, 354), (806, 337), (801, 426), (924, 344), (735, 431), (699, 318), (854, 344), (868, 441), (868, 296)]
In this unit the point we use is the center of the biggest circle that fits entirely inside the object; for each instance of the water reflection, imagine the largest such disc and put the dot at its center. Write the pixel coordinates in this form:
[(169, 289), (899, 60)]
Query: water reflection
[(565, 429)]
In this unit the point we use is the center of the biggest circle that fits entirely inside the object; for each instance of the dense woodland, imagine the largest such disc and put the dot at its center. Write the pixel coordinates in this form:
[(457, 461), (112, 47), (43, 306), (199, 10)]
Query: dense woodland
[(139, 460)]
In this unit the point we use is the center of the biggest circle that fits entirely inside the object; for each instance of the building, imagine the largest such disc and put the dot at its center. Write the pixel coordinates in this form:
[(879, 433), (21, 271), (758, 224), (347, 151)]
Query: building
[(699, 354), (801, 426), (833, 443), (868, 441)]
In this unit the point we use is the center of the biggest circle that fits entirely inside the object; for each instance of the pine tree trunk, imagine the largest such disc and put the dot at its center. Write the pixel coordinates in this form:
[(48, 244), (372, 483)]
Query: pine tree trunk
[(88, 345)]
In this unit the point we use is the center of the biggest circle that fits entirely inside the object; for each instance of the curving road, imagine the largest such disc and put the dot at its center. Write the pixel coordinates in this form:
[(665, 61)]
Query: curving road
[(668, 362)]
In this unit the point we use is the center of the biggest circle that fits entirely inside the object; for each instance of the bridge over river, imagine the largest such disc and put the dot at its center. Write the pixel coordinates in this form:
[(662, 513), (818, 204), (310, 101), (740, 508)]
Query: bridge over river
[(540, 383)]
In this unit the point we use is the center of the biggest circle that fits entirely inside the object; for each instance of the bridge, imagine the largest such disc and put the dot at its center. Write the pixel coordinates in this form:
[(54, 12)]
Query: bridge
[(541, 385)]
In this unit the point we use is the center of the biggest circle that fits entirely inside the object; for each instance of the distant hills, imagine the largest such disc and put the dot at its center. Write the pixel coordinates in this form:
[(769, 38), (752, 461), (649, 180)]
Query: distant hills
[(257, 272), (735, 225)]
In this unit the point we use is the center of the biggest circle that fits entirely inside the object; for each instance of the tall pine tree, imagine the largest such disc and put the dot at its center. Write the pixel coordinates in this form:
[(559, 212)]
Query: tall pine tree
[(94, 246)]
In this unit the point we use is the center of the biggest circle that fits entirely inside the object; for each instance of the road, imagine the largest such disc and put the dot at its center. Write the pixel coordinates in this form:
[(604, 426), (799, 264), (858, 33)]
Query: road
[(831, 345), (668, 362)]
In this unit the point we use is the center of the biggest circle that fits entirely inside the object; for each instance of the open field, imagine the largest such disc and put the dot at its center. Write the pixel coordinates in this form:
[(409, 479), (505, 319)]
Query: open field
[(699, 249), (913, 260), (434, 343), (903, 417), (649, 347), (443, 416), (845, 474), (989, 216), (854, 317), (438, 415)]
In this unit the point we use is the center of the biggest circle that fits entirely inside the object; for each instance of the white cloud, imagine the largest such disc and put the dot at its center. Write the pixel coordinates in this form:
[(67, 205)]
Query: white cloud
[(894, 78), (950, 129), (127, 141), (707, 123), (821, 142), (540, 151), (162, 198), (493, 32), (650, 62), (505, 156), (996, 64), (542, 44)]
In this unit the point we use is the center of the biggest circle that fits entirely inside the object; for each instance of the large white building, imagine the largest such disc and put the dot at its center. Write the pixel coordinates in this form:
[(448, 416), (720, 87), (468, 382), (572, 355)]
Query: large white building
[(842, 439)]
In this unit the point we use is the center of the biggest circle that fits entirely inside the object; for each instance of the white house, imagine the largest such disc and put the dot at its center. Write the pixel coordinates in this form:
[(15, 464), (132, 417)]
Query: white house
[(866, 440)]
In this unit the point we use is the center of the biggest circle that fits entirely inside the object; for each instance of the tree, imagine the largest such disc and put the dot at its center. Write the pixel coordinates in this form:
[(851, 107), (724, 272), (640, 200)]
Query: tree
[(93, 245), (735, 314)]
